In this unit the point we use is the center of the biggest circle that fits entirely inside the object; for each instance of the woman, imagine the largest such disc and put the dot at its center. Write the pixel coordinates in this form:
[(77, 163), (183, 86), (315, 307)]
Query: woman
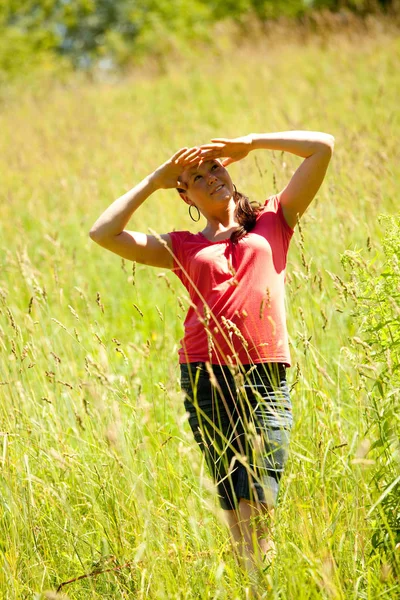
[(235, 350)]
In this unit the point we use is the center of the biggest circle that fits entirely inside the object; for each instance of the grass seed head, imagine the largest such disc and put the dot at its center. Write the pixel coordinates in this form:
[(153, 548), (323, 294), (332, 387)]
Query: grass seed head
[(138, 309), (73, 312), (99, 303)]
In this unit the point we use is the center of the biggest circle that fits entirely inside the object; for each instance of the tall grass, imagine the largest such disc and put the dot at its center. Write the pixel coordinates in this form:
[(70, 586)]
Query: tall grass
[(99, 472)]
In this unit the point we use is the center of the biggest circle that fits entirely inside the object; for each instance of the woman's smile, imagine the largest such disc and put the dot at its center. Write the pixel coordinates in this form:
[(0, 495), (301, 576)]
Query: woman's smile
[(217, 189)]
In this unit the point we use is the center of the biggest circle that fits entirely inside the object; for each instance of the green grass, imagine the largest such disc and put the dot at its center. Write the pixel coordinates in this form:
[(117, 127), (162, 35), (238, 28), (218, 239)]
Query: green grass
[(98, 468)]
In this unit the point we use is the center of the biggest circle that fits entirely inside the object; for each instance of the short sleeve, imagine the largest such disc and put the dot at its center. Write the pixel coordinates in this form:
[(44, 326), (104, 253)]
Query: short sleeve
[(272, 204), (178, 239)]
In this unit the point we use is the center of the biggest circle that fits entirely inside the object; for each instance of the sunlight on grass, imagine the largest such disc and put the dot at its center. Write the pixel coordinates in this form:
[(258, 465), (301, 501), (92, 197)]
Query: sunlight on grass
[(99, 472)]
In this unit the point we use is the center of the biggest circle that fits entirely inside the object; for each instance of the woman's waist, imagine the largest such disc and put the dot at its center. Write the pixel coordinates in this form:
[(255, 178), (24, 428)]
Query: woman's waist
[(247, 374), (267, 321)]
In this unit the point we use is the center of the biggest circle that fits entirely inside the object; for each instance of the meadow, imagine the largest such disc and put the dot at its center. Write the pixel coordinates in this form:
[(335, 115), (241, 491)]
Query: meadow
[(99, 474)]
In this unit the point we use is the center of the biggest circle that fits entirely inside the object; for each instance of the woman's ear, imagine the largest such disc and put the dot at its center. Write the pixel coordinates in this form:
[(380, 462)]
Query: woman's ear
[(182, 193)]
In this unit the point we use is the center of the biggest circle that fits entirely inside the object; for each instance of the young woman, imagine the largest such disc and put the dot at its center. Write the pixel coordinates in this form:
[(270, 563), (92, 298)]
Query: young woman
[(234, 353)]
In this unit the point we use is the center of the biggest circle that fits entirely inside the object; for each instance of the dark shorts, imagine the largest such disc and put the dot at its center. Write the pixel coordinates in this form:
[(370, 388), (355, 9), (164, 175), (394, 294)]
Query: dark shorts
[(241, 421)]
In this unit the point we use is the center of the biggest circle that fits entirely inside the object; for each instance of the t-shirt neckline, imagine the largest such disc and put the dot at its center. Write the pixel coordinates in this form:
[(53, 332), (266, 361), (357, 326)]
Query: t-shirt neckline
[(216, 241)]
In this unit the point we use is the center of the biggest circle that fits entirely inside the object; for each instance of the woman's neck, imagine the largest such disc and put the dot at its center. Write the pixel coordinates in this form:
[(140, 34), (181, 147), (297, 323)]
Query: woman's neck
[(216, 229), (221, 224)]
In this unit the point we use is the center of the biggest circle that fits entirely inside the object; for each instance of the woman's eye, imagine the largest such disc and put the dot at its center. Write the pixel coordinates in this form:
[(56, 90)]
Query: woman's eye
[(196, 177), (214, 166)]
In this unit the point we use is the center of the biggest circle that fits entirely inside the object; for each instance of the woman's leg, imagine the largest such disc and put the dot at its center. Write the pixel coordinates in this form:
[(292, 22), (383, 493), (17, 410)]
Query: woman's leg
[(256, 522), (232, 521), (251, 535), (268, 419)]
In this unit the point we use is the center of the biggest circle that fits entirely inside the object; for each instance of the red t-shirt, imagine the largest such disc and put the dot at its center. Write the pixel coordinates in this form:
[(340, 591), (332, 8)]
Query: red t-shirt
[(237, 311)]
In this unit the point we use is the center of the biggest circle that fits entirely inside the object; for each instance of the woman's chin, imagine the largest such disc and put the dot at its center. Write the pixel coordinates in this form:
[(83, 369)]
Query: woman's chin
[(222, 196)]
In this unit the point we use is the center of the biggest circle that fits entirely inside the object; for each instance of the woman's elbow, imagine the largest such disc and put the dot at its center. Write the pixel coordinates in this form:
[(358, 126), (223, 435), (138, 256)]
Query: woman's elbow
[(95, 234)]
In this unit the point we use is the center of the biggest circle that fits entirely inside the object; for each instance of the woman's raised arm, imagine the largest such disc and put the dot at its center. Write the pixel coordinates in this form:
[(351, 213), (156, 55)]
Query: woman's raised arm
[(314, 146), (109, 229)]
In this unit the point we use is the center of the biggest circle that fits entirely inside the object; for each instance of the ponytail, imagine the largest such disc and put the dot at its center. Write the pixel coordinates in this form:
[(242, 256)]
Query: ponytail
[(245, 214)]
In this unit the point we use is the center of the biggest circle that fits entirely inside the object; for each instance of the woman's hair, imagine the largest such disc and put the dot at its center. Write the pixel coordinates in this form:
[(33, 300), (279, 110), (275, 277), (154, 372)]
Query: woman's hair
[(245, 214)]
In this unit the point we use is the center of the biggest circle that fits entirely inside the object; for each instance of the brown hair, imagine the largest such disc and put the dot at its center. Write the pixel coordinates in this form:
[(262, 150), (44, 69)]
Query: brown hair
[(245, 214)]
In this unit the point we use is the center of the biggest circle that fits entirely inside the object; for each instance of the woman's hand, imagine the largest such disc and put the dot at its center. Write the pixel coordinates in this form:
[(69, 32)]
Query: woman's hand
[(167, 175), (230, 150)]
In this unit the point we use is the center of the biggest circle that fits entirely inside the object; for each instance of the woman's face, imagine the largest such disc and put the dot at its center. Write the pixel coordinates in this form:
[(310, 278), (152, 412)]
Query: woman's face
[(206, 185)]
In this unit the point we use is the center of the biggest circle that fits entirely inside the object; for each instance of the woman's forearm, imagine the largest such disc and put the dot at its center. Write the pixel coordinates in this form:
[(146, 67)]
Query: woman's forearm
[(115, 218), (301, 143)]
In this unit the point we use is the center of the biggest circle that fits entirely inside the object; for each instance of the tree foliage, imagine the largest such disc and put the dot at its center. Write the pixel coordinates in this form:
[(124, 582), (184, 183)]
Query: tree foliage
[(40, 32)]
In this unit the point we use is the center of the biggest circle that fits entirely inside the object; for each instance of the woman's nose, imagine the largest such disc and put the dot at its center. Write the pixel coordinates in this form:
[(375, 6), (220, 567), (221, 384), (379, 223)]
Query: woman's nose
[(211, 178)]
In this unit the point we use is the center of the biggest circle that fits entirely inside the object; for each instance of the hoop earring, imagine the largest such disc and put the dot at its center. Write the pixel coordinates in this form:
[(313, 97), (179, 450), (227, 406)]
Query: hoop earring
[(190, 213), (235, 190)]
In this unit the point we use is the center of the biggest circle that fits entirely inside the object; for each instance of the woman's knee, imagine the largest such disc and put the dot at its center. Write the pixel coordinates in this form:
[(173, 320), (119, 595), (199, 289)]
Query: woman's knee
[(250, 509)]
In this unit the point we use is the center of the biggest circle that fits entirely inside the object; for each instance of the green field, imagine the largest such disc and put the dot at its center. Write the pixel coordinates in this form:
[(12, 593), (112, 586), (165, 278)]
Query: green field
[(98, 469)]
